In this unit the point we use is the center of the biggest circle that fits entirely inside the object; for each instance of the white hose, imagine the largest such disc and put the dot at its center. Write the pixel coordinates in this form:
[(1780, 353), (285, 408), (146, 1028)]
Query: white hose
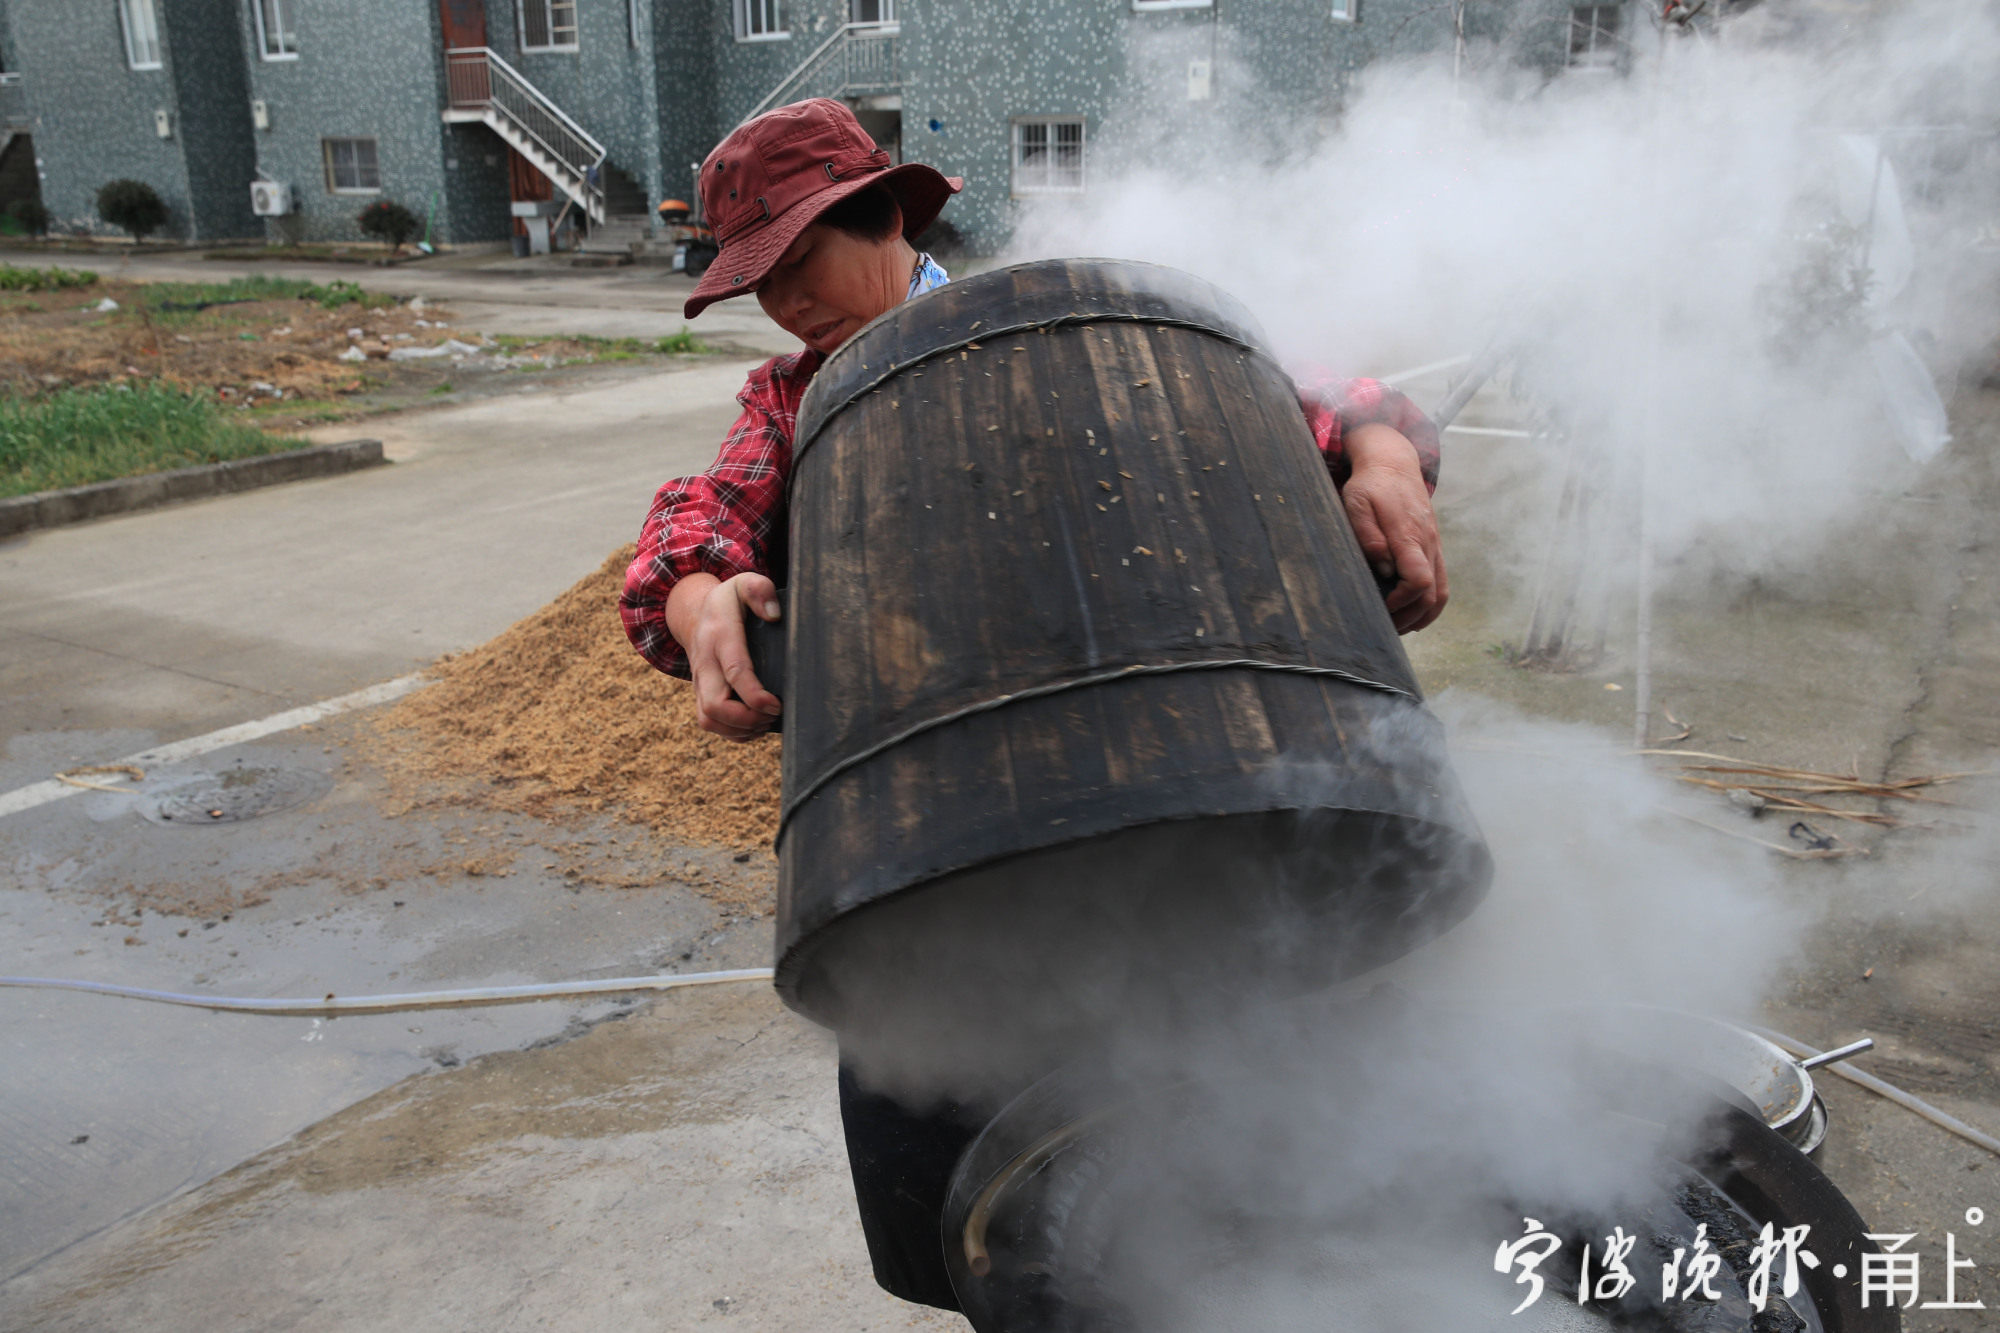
[(331, 1006), (1799, 1050)]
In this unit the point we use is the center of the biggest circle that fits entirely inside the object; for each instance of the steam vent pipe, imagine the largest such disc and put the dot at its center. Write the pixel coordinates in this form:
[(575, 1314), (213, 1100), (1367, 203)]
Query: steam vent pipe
[(1092, 698)]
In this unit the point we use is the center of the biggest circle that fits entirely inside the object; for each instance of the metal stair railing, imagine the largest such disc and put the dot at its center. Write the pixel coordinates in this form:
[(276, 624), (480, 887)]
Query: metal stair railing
[(858, 60), (479, 80)]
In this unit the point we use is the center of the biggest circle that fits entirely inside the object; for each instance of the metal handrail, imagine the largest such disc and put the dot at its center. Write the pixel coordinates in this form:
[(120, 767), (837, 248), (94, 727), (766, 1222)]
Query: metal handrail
[(848, 38), (478, 79)]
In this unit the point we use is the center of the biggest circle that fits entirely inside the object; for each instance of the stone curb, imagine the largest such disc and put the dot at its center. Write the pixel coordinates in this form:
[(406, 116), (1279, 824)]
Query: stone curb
[(125, 495)]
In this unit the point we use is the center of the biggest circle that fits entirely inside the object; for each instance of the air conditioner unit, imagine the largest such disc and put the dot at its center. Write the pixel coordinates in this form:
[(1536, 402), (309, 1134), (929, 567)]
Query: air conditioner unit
[(269, 199)]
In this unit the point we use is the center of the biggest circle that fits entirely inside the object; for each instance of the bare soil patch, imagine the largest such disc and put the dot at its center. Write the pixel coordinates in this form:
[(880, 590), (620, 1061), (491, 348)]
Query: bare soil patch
[(284, 363)]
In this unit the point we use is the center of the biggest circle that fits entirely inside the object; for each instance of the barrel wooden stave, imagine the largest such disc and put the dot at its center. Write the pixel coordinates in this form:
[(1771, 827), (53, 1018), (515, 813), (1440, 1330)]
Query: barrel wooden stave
[(1099, 450)]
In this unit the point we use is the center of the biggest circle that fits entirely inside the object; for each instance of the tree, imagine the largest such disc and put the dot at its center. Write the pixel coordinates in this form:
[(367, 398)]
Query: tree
[(389, 221), (132, 206)]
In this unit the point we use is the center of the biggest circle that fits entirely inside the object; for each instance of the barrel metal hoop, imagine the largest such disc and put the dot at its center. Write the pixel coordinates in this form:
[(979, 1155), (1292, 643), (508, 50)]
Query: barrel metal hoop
[(793, 806), (800, 445)]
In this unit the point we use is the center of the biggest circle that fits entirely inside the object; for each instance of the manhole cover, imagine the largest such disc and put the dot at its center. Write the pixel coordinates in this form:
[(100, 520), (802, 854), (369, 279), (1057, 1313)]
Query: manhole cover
[(231, 796)]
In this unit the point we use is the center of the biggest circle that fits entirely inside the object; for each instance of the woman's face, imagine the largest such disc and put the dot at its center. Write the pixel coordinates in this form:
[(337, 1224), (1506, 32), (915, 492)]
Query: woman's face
[(832, 282)]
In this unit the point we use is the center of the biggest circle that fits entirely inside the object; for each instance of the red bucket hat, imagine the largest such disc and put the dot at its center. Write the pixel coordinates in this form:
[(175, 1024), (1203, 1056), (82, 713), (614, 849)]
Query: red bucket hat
[(773, 176)]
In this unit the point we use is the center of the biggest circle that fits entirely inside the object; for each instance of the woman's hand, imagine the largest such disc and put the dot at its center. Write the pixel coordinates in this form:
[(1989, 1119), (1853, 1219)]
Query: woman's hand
[(706, 615), (1390, 510)]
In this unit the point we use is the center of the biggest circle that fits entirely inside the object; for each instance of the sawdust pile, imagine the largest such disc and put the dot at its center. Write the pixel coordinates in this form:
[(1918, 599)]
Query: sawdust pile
[(558, 713)]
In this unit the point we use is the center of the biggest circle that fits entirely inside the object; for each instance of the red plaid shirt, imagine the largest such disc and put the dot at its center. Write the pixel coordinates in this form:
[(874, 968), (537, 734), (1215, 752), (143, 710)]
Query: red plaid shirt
[(730, 519)]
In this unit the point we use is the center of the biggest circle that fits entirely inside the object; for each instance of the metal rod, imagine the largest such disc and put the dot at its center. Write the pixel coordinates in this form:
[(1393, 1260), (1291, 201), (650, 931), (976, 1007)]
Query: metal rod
[(331, 1006), (1838, 1053)]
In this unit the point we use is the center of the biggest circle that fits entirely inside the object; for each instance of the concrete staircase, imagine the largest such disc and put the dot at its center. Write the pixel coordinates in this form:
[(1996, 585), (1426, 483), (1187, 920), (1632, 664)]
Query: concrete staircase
[(484, 88), (626, 227)]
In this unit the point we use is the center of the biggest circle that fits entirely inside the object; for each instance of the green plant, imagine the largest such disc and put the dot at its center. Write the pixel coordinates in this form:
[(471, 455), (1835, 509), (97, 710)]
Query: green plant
[(188, 297), (44, 279), (389, 221), (132, 206), (76, 436), (683, 343), (30, 215)]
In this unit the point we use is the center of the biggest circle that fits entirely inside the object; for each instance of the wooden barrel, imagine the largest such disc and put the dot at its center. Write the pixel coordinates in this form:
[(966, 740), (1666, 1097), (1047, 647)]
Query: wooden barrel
[(1093, 703)]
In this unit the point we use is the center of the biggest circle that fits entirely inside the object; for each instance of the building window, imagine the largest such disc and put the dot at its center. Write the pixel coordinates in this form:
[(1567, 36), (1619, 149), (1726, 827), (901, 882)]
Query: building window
[(632, 23), (1593, 35), (1048, 156), (760, 20), (275, 38), (142, 33), (873, 13), (1172, 4), (548, 25), (1347, 11), (351, 167)]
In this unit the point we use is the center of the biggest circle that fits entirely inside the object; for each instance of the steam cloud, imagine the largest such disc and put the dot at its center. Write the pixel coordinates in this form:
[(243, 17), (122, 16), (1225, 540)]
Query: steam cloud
[(1699, 264)]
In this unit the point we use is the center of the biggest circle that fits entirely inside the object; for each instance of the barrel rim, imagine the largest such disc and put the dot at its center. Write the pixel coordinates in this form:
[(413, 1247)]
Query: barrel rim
[(1234, 324), (794, 957)]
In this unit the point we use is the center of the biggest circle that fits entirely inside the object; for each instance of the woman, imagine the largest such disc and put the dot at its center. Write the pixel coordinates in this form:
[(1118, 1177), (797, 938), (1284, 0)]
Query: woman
[(814, 221)]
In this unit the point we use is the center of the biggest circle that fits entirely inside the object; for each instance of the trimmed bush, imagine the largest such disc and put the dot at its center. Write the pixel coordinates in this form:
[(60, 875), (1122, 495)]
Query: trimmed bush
[(132, 206), (31, 215), (388, 221)]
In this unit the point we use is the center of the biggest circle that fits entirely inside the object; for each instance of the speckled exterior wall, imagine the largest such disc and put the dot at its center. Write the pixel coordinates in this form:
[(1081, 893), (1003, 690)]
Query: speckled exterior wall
[(96, 113), (608, 85), (1279, 72), (369, 69), (658, 82), (213, 127)]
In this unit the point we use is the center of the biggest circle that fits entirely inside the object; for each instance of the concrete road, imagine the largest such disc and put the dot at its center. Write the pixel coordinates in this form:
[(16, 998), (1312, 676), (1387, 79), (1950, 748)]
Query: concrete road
[(682, 1165), (154, 626)]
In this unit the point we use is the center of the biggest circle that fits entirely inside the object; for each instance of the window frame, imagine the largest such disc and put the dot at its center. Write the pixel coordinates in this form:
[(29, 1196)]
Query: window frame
[(889, 24), (285, 30), (1017, 145), (1150, 6), (125, 18), (774, 13), (326, 143), (550, 26), (1606, 45)]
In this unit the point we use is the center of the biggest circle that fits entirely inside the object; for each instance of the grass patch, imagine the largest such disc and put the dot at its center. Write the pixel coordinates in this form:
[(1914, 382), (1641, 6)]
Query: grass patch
[(44, 279), (594, 348), (78, 436), (186, 297)]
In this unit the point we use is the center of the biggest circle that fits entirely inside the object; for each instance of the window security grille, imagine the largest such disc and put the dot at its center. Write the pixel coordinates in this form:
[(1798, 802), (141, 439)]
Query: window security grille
[(275, 38), (1048, 156), (142, 33), (757, 19), (548, 25), (351, 166)]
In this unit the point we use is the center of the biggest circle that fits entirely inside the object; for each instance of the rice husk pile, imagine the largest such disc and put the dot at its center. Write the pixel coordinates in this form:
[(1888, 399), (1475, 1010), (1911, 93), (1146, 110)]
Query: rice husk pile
[(559, 714)]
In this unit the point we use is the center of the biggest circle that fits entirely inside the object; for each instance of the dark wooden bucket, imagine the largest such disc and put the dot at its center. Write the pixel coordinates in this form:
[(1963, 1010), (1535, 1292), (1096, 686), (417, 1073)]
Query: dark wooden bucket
[(1093, 705)]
